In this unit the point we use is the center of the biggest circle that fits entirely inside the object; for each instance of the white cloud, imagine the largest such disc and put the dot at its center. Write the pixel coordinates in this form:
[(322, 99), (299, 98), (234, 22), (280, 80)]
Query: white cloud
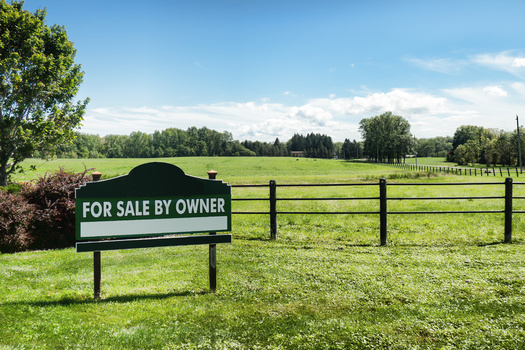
[(504, 61), (519, 88), (519, 62), (430, 114), (310, 113), (376, 103), (495, 91)]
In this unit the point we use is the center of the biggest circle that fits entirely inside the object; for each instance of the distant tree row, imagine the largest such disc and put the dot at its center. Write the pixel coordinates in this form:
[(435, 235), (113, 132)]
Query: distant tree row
[(313, 145), (267, 149), (475, 144), (174, 142), (167, 143), (386, 138), (438, 146), (351, 150)]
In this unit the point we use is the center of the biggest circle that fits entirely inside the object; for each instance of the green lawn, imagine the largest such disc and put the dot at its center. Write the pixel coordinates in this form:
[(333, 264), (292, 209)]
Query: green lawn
[(270, 295), (443, 281), (235, 170)]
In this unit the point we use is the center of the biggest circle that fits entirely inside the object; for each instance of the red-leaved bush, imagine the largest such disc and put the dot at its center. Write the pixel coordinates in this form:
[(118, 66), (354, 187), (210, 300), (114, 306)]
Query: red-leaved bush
[(15, 218), (42, 214)]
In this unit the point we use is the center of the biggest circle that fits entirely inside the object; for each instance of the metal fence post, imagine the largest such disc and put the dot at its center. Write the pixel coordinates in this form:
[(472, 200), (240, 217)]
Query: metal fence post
[(382, 211), (508, 209), (273, 209)]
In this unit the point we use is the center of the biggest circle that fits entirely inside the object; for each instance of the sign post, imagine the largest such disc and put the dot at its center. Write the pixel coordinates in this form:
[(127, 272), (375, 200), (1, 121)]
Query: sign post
[(97, 268), (153, 200), (212, 174)]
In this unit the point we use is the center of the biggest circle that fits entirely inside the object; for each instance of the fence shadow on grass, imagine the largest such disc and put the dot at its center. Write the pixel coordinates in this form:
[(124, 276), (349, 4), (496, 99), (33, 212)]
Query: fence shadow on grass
[(114, 299)]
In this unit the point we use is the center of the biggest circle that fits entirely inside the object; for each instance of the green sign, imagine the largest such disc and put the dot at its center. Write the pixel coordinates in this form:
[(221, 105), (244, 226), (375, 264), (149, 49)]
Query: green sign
[(153, 199)]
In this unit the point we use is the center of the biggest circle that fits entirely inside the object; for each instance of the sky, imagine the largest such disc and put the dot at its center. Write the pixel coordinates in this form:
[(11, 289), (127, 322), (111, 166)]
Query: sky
[(265, 69)]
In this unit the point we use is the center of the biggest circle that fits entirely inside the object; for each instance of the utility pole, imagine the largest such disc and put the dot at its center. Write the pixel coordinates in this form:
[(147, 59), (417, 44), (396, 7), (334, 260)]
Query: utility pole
[(519, 144)]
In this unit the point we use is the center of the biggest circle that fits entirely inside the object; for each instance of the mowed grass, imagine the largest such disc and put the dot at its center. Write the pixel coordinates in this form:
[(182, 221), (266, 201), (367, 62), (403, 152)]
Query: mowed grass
[(443, 282), (234, 170), (270, 295)]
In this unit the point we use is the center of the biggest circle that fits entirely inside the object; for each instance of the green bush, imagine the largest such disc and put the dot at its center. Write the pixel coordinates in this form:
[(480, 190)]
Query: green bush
[(41, 215)]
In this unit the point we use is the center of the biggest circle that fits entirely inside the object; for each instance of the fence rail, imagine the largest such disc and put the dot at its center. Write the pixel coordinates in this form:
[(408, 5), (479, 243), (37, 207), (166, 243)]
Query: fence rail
[(383, 203)]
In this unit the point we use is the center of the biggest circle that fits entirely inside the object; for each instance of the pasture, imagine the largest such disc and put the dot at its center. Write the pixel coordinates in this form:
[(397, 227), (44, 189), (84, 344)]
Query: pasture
[(443, 281)]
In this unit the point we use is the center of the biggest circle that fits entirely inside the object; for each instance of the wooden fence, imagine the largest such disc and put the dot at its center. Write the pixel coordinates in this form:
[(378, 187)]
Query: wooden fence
[(383, 199), (488, 171)]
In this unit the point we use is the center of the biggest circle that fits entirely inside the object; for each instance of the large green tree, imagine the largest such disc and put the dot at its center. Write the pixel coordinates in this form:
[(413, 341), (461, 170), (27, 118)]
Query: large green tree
[(38, 83), (386, 137)]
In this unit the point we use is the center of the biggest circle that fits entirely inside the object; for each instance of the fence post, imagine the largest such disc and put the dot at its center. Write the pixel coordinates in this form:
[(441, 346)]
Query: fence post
[(273, 209), (508, 209), (382, 211)]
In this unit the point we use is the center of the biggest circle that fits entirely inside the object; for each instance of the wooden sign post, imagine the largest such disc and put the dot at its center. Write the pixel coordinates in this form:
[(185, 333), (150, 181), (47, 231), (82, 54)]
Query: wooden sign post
[(154, 200)]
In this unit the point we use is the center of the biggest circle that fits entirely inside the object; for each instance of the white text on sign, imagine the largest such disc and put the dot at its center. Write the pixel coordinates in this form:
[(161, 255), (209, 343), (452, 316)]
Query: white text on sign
[(156, 207)]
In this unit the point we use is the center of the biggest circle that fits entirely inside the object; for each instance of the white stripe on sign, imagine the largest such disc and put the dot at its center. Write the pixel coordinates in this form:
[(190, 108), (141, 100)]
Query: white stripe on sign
[(152, 226)]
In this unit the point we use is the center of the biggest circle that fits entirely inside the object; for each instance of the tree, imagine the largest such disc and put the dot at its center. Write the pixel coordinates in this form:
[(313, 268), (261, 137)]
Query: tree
[(386, 137), (434, 147), (462, 135), (461, 155), (472, 148), (465, 133), (504, 148), (38, 82)]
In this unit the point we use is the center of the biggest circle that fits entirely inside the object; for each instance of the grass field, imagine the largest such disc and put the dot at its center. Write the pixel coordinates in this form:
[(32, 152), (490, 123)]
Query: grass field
[(235, 170), (443, 282)]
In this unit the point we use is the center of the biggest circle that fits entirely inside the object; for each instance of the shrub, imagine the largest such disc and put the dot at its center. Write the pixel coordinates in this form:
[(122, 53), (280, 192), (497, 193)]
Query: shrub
[(13, 187), (53, 221), (42, 214), (15, 219)]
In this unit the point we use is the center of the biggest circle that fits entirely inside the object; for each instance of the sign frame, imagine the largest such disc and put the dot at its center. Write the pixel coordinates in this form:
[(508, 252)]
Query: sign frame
[(155, 205), (154, 199)]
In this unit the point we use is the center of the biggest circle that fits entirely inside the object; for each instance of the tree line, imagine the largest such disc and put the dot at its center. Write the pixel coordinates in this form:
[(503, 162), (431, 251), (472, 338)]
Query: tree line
[(475, 144), (173, 142), (170, 142), (387, 138)]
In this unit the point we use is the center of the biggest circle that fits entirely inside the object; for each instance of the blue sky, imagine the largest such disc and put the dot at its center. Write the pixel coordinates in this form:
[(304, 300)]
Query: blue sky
[(263, 69)]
